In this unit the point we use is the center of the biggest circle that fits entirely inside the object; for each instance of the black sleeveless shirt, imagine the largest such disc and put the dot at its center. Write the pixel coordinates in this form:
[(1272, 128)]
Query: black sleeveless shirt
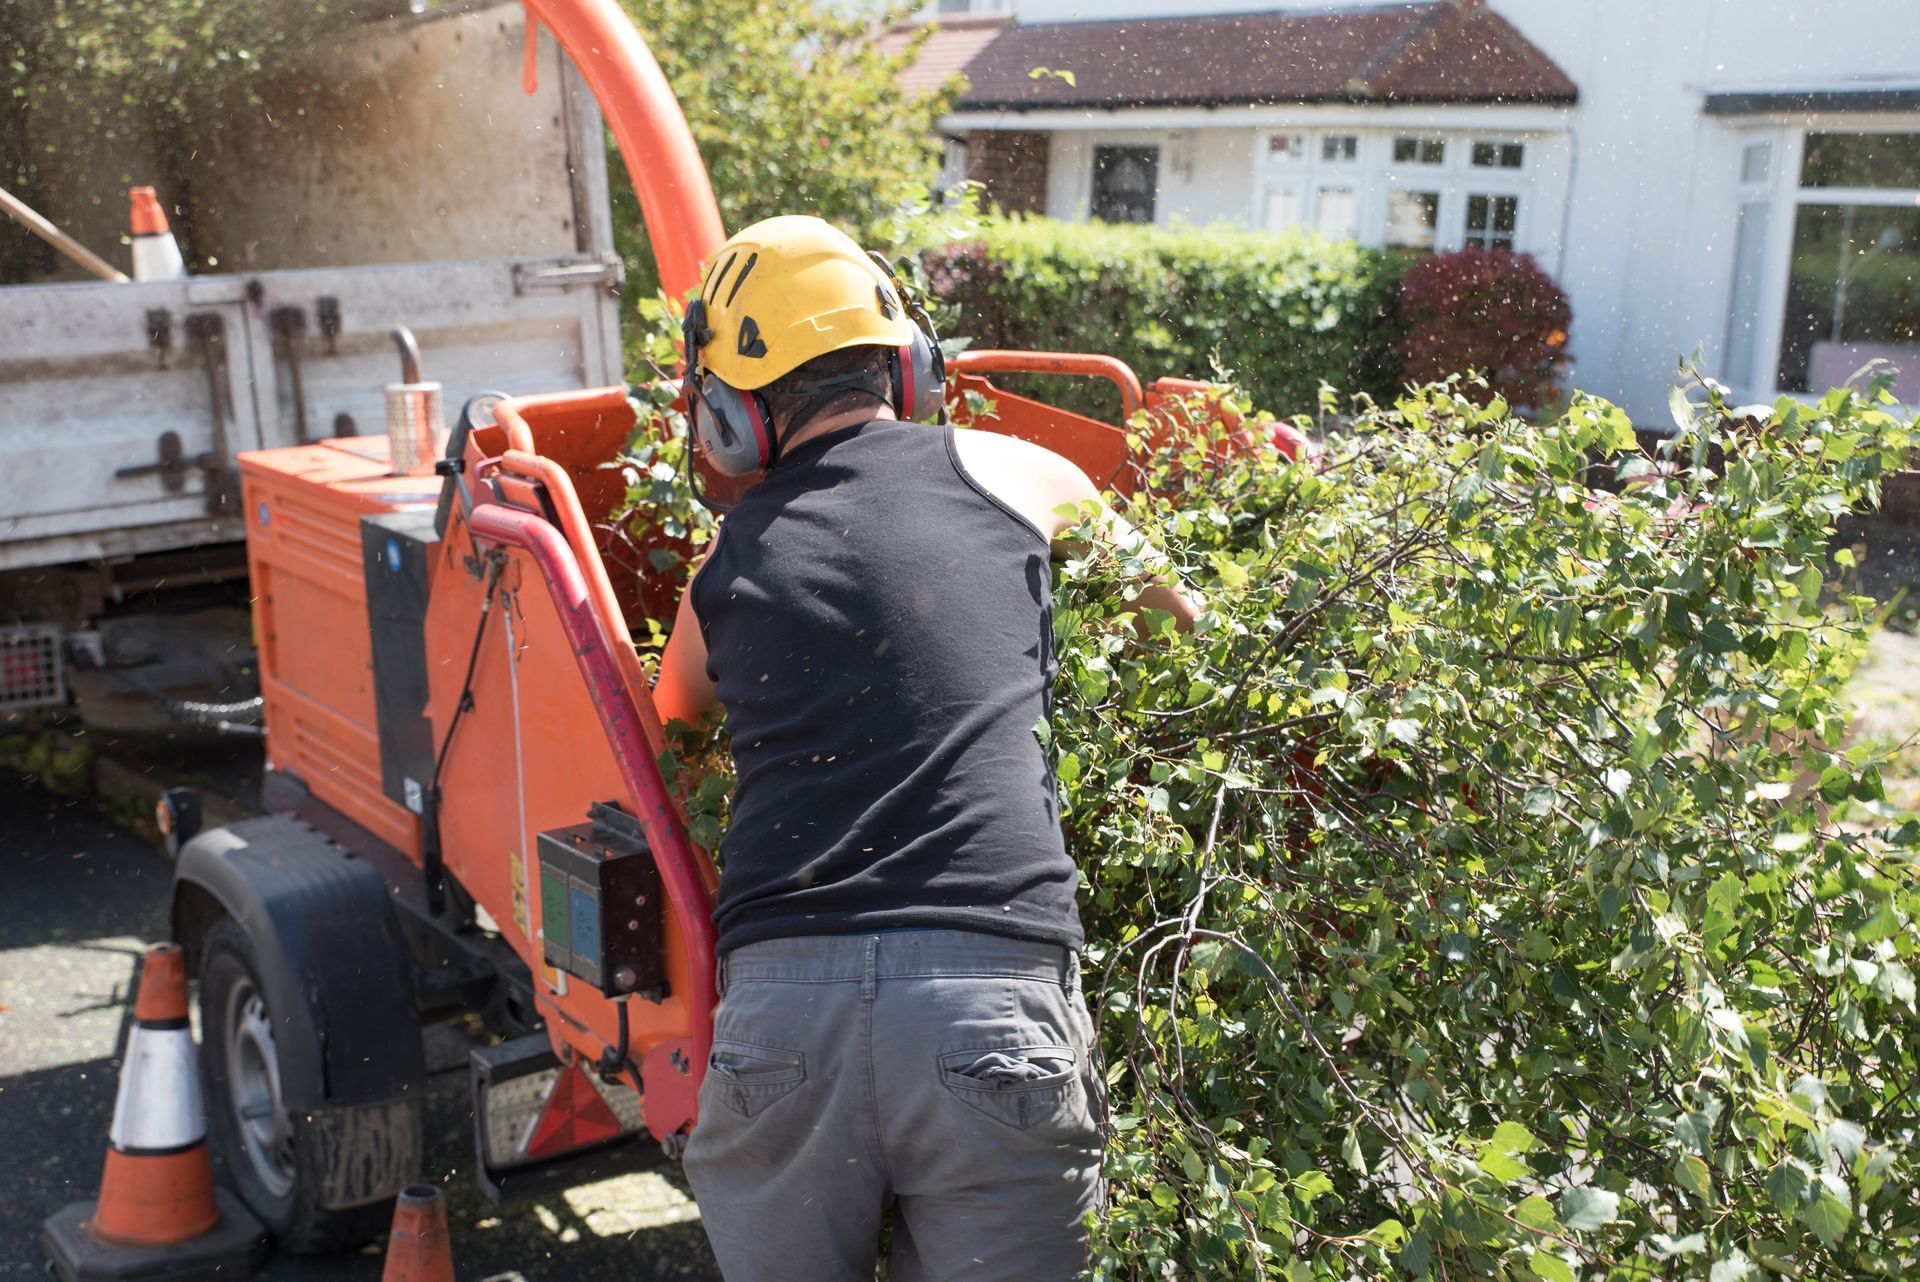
[(879, 629)]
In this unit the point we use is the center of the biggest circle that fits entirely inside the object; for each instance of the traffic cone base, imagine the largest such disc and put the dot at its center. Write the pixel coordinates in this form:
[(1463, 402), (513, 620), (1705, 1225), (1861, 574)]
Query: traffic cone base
[(233, 1248), (153, 1199), (158, 1216)]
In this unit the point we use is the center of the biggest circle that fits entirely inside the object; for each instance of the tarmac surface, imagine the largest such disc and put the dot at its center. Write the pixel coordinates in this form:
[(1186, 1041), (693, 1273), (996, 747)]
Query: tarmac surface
[(80, 897)]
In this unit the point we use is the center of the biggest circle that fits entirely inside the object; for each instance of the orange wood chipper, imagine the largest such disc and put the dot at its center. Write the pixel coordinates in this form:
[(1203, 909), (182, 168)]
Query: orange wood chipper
[(469, 821)]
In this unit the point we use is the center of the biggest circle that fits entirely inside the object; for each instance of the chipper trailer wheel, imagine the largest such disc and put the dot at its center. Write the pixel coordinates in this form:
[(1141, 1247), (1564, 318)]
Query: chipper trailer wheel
[(276, 1158)]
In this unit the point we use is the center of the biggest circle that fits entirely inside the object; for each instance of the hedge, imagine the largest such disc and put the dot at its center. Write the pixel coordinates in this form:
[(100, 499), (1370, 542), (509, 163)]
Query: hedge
[(1281, 313)]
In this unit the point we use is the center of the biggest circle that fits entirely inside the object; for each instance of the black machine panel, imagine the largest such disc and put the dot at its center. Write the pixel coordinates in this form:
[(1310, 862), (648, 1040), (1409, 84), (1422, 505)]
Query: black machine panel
[(600, 909), (396, 549)]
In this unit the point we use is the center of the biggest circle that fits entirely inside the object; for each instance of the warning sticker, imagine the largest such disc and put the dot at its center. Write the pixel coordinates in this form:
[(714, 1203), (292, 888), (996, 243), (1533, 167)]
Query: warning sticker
[(519, 875)]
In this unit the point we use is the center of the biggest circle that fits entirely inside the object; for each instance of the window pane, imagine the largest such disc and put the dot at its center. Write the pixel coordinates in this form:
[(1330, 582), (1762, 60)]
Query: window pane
[(1339, 147), (1861, 160), (1413, 218), (1852, 296), (1419, 151), (1287, 147), (1283, 208), (1743, 312), (1336, 215), (1512, 155), (1124, 183), (1499, 155), (1492, 221), (1755, 161)]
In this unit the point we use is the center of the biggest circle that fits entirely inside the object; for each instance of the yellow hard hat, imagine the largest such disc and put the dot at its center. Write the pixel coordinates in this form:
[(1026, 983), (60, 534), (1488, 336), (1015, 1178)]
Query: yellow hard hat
[(788, 289)]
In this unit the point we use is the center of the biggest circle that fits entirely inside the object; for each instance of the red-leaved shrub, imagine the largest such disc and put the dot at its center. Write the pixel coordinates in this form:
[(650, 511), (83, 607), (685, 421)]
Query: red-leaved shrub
[(1490, 310)]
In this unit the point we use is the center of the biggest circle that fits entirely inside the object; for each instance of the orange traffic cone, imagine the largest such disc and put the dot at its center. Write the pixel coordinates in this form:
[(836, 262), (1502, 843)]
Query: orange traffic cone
[(158, 1215), (418, 1249), (156, 254)]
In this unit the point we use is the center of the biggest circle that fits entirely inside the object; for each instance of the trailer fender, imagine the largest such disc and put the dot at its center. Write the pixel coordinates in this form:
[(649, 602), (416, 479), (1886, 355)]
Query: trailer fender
[(334, 965)]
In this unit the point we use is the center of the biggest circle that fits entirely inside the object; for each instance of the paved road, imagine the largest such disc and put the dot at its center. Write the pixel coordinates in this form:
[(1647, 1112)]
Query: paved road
[(79, 900)]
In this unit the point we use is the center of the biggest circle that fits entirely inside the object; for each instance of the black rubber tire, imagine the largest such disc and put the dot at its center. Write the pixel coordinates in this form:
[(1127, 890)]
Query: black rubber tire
[(299, 1224)]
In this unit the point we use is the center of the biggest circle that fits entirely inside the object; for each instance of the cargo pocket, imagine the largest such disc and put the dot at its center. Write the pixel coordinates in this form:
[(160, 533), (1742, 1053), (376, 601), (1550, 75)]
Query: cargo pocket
[(751, 1079), (1020, 1086)]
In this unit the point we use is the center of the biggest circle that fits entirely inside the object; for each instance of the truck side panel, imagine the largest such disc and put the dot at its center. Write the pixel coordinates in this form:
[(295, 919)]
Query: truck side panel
[(400, 178)]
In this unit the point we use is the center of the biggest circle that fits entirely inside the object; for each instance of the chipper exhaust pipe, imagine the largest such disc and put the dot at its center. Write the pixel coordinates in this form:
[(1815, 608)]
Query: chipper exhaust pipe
[(416, 419)]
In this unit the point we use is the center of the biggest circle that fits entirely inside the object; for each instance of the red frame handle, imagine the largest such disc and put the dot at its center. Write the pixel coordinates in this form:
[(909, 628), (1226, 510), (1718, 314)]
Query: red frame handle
[(1082, 364)]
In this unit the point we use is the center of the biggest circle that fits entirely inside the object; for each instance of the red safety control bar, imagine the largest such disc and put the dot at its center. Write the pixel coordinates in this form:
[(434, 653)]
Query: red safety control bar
[(672, 851)]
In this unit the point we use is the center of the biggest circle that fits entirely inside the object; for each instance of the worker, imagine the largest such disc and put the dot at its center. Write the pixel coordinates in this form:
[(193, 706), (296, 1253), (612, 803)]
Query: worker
[(901, 1022)]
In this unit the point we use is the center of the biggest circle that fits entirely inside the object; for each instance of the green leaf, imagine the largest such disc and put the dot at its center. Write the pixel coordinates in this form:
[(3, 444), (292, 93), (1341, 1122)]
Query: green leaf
[(1680, 409), (1416, 1257), (1550, 1267), (1511, 1137), (1586, 1208), (1350, 1150), (1827, 1216), (1691, 1244), (1847, 1139), (1693, 1176), (1068, 768), (1504, 1167), (1537, 1213)]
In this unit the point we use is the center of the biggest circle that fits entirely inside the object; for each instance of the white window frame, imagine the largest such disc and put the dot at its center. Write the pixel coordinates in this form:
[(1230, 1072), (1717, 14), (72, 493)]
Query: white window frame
[(1522, 206), (1497, 140), (1449, 141), (1158, 140), (1784, 195), (1318, 154), (1373, 175), (1413, 180)]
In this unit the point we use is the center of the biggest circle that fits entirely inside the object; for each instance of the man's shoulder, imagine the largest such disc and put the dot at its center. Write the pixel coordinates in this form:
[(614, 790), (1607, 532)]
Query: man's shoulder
[(990, 449), (1031, 479)]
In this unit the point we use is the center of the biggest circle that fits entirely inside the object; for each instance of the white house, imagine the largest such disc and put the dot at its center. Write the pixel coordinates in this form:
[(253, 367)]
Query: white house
[(1739, 178)]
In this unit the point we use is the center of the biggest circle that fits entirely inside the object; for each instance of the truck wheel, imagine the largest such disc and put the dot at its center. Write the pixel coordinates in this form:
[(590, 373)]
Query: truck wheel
[(275, 1158)]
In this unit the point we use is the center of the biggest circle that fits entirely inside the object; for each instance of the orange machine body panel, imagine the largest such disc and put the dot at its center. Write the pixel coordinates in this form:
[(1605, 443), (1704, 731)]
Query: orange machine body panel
[(303, 507)]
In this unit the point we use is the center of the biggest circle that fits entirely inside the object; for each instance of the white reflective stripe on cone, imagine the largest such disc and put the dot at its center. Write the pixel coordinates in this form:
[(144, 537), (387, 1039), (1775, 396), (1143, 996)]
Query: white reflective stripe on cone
[(159, 1105), (156, 256)]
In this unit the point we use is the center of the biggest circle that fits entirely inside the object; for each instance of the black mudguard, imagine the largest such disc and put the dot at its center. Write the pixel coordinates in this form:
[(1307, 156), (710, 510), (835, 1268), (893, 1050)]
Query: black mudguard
[(332, 960)]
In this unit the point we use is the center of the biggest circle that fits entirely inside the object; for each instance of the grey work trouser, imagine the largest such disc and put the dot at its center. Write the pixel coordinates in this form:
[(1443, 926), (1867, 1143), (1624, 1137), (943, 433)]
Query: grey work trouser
[(942, 1072)]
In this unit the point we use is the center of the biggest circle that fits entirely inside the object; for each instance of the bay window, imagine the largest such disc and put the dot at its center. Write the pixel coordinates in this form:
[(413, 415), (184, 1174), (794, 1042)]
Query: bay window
[(1826, 260)]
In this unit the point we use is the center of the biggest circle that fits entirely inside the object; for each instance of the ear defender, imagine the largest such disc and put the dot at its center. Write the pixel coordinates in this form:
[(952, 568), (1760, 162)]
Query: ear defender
[(919, 374), (917, 367), (733, 427)]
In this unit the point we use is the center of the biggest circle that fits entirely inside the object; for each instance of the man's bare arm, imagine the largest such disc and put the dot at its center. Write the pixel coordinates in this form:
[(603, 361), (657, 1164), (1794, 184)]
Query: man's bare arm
[(683, 691), (1046, 488)]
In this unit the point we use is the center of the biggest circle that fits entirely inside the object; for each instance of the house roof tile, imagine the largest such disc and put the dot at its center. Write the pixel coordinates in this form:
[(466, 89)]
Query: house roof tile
[(954, 43), (1453, 51)]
